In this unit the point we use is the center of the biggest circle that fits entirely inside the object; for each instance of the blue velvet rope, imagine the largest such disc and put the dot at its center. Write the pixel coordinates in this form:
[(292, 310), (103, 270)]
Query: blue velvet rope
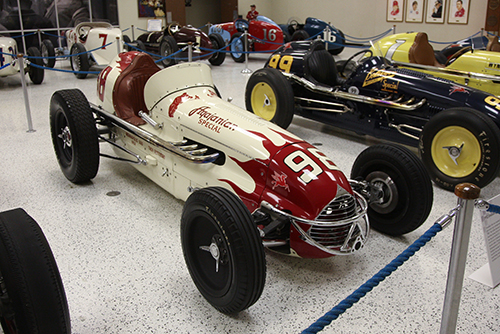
[(4, 66), (372, 282), (494, 208)]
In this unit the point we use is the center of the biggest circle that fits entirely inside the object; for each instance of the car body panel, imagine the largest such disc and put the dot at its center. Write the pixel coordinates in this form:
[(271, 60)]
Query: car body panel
[(462, 70), (8, 46), (97, 38), (183, 36), (266, 35), (260, 161)]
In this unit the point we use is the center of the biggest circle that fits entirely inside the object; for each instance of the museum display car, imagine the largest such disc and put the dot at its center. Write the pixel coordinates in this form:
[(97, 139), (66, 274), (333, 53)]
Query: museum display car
[(264, 35), (319, 29), (247, 183), (9, 64), (88, 46), (455, 127), (470, 65), (174, 38)]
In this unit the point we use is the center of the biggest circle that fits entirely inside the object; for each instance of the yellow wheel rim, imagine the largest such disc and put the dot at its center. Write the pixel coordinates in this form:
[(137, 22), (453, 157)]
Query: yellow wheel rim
[(263, 101), (446, 146)]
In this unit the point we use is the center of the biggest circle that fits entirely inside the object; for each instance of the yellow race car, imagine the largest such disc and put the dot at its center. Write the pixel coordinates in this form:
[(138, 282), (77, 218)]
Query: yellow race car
[(467, 66)]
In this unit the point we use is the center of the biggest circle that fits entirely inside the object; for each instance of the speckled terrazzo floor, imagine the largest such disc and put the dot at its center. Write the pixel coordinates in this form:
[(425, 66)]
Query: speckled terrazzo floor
[(121, 262)]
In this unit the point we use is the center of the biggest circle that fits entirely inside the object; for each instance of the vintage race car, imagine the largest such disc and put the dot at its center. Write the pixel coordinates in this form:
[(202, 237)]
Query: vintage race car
[(88, 45), (455, 127), (247, 183), (318, 29), (471, 67), (9, 64), (264, 35), (175, 37)]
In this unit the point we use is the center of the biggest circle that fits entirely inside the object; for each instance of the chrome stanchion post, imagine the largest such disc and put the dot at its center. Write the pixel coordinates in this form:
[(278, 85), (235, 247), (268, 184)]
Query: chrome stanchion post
[(467, 193), (245, 49), (327, 37), (39, 38), (394, 29), (20, 61), (118, 46), (132, 28), (190, 52)]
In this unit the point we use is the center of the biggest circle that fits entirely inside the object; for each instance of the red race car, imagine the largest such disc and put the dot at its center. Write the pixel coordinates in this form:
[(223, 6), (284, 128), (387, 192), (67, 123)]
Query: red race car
[(265, 35)]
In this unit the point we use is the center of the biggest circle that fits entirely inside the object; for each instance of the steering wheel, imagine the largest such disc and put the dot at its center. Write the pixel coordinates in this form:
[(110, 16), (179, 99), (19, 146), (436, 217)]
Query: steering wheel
[(173, 28), (241, 24), (293, 24), (342, 69), (457, 54)]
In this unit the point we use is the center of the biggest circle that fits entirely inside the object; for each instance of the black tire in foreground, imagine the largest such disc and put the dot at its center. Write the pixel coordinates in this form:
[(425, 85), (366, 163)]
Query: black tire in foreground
[(222, 249), (237, 47), (461, 145), (79, 60), (32, 294), (35, 72), (269, 95), (47, 50), (74, 135), (217, 43), (404, 188), (168, 46)]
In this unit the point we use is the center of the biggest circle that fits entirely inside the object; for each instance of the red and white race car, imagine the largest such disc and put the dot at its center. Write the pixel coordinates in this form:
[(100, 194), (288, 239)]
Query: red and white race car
[(9, 64), (94, 37), (247, 183)]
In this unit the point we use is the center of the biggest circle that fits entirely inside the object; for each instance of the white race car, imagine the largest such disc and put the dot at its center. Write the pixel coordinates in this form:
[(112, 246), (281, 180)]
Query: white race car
[(247, 183), (95, 36), (9, 64)]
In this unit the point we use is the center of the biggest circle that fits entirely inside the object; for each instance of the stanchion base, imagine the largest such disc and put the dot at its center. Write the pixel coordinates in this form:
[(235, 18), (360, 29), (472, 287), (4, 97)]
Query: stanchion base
[(29, 131), (246, 71)]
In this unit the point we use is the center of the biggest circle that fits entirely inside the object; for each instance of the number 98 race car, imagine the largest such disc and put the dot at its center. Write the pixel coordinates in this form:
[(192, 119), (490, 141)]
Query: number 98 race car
[(456, 128), (247, 183)]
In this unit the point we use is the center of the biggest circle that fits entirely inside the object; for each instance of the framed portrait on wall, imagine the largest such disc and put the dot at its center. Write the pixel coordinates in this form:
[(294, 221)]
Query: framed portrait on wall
[(435, 11), (395, 10), (151, 8), (459, 11), (415, 10)]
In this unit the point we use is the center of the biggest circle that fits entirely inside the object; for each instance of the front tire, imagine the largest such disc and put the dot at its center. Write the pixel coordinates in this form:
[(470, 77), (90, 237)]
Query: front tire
[(269, 94), (37, 72), (74, 135), (168, 46), (217, 43), (403, 186), (237, 47), (222, 249), (32, 292), (79, 60), (461, 145)]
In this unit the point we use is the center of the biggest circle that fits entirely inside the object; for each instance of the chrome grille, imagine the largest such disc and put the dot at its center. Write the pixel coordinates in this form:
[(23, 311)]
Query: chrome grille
[(340, 230), (340, 208)]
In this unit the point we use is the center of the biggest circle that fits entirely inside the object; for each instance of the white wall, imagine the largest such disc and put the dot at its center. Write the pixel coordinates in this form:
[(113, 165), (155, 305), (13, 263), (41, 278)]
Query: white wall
[(367, 18), (358, 18)]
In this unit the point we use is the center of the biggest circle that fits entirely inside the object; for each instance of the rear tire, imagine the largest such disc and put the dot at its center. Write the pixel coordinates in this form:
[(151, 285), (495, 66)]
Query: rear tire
[(74, 135), (47, 50), (37, 72), (269, 94), (32, 292), (404, 185), (222, 249)]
